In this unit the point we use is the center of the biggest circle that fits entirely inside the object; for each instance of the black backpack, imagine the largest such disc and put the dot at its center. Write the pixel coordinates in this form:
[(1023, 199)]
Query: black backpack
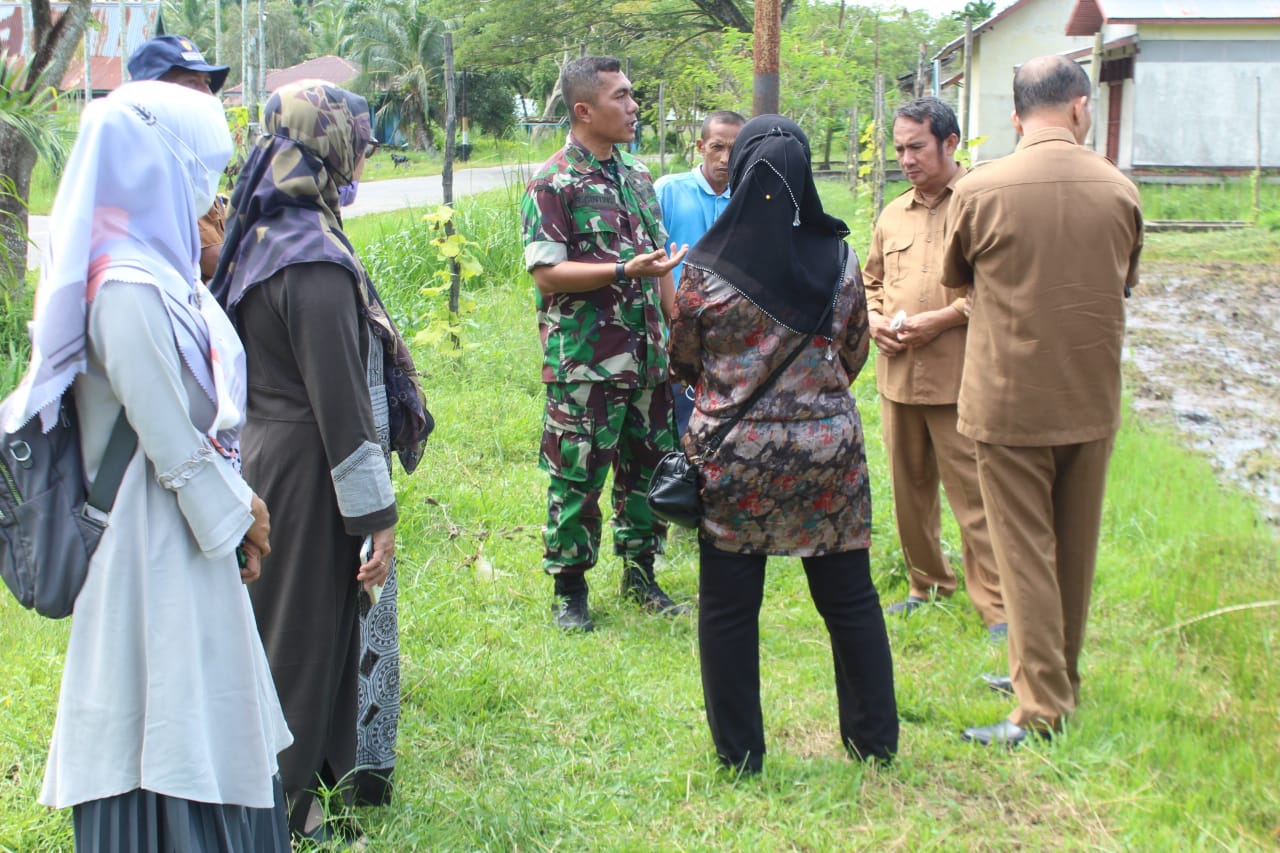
[(50, 523)]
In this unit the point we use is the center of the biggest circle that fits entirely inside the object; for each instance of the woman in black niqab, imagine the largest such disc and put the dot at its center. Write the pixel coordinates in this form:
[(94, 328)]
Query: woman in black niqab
[(774, 244), (791, 477)]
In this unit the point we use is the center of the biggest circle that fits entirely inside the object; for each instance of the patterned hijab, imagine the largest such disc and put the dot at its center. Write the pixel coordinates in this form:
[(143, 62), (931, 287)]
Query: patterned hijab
[(126, 210), (285, 211), (774, 244)]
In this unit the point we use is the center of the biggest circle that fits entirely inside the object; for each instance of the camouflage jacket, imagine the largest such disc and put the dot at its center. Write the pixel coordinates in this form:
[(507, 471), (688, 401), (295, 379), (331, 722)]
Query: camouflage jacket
[(574, 210)]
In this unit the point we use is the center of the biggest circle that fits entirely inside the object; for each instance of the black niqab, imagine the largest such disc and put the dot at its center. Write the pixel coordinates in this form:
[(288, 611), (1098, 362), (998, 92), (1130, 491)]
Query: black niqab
[(774, 244)]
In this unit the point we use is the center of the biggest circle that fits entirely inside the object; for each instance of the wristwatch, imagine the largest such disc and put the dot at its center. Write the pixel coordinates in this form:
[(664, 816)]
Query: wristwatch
[(620, 273)]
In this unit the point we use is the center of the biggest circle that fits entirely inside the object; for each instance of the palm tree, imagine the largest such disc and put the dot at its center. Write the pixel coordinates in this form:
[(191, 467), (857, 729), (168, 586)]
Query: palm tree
[(193, 19), (28, 121), (401, 48), (331, 29)]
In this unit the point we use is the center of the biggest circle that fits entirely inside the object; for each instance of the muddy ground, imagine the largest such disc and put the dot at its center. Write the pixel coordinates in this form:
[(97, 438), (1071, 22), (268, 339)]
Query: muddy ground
[(1203, 355)]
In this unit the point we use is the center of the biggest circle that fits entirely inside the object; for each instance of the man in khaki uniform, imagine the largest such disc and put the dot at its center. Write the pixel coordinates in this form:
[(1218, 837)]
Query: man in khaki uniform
[(1049, 237), (918, 368)]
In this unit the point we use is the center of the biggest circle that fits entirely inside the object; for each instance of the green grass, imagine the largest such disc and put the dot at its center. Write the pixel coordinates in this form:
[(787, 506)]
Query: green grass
[(515, 737), (486, 151), (44, 186), (1229, 199)]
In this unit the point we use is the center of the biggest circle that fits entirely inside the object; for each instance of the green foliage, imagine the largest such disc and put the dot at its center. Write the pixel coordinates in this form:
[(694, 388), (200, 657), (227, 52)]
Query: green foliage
[(15, 346), (400, 46), (31, 108), (456, 254), (976, 10), (964, 154), (488, 97), (410, 267)]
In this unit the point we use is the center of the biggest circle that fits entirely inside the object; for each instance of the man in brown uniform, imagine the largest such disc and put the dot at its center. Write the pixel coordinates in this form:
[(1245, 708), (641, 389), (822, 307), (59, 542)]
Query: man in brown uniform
[(918, 368), (1049, 237)]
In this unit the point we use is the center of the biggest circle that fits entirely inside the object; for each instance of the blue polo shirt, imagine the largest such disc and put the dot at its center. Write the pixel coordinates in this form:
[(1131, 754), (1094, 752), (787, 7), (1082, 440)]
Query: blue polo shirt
[(689, 206)]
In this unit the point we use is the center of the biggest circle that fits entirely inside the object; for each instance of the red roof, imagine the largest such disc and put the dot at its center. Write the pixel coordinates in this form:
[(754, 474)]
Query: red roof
[(331, 69)]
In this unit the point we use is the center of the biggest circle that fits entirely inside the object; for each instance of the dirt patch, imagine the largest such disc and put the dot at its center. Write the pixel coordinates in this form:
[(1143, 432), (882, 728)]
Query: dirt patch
[(1203, 354)]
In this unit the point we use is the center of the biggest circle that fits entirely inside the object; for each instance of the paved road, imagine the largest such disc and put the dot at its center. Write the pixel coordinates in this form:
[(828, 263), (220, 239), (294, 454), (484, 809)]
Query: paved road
[(374, 197)]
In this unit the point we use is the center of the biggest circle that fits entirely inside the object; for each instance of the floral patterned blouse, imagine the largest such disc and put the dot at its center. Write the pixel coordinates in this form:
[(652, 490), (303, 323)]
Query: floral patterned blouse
[(791, 478)]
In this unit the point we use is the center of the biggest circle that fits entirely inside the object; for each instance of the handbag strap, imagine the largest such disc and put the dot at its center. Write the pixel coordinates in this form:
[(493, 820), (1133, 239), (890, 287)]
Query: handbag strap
[(717, 438), (115, 460)]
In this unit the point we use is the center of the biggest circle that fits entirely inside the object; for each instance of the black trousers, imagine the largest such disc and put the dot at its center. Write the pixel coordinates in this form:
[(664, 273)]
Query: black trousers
[(731, 589)]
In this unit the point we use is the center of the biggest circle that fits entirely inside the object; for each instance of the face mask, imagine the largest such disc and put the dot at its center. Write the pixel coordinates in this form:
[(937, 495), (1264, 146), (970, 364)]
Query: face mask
[(205, 190), (204, 181), (347, 193)]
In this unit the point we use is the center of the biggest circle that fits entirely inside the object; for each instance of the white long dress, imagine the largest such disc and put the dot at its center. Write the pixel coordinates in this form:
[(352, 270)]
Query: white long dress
[(166, 686)]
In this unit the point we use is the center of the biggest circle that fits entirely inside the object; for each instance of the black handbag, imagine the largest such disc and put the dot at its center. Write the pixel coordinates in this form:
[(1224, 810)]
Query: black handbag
[(675, 492), (50, 523)]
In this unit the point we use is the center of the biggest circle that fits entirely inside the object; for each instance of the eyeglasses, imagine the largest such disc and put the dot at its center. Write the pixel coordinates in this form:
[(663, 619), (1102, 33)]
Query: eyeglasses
[(372, 148)]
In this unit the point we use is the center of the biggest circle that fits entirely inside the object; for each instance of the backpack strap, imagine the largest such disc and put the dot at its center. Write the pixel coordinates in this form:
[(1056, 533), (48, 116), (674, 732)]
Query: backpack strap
[(120, 447)]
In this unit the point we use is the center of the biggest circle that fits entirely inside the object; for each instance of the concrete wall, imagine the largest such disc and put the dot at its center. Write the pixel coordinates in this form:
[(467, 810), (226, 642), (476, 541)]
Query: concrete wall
[(1195, 99), (1033, 30)]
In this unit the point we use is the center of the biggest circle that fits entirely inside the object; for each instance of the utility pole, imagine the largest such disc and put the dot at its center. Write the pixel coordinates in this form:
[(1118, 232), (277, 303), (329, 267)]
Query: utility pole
[(965, 97), (88, 51), (768, 34), (246, 67), (262, 52), (124, 38), (217, 32), (878, 180)]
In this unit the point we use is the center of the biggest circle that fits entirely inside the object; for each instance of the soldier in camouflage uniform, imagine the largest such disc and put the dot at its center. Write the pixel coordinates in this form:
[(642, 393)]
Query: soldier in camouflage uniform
[(594, 245)]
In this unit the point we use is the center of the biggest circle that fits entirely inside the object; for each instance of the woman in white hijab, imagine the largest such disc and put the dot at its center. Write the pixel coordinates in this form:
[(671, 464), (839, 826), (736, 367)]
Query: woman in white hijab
[(168, 724)]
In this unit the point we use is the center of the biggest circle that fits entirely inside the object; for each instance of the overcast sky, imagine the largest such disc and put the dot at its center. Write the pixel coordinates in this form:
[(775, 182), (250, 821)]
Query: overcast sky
[(937, 8)]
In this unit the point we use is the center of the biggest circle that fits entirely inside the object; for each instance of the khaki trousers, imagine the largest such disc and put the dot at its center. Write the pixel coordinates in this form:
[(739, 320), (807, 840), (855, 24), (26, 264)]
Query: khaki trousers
[(925, 449), (1044, 505)]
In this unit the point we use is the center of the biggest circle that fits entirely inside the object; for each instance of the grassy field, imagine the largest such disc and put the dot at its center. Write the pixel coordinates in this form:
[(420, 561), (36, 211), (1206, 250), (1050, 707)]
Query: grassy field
[(516, 737)]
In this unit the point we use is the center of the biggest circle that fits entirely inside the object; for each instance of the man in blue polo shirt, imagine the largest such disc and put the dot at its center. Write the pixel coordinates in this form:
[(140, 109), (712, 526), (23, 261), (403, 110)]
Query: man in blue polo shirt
[(692, 200)]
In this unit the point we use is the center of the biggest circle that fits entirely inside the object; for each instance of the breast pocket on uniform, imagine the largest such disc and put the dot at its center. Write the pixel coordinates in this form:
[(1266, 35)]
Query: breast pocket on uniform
[(896, 256), (595, 230), (567, 431)]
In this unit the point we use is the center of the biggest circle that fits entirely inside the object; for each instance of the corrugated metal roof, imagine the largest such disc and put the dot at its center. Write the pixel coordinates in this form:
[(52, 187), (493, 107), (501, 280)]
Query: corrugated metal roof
[(1187, 10), (1088, 16), (141, 22)]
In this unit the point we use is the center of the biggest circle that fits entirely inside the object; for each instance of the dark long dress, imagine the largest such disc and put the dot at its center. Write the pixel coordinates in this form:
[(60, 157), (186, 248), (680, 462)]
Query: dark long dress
[(310, 449)]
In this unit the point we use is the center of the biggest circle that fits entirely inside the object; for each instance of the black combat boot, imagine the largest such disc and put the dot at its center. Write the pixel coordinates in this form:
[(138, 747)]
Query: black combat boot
[(639, 585), (570, 604)]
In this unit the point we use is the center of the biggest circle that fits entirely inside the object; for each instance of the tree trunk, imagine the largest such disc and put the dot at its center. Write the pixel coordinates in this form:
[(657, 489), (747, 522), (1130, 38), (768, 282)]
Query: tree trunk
[(18, 159), (553, 100), (52, 45)]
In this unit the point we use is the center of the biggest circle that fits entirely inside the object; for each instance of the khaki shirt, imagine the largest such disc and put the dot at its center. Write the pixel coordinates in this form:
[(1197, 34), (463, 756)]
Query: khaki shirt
[(1049, 236), (904, 273)]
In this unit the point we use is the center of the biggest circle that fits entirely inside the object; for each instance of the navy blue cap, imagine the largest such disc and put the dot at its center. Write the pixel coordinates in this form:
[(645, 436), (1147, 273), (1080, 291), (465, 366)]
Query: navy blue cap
[(157, 56)]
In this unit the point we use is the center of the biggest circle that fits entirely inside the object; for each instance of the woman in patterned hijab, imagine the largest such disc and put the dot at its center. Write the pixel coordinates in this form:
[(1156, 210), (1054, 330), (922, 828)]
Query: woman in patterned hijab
[(322, 353)]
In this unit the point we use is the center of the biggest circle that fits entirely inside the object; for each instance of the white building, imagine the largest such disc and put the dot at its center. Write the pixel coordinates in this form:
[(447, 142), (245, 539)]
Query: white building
[(1178, 86)]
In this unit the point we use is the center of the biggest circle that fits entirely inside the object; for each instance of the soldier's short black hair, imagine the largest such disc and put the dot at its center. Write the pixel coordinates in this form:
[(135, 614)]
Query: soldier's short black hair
[(934, 111), (1047, 81), (580, 79), (721, 117)]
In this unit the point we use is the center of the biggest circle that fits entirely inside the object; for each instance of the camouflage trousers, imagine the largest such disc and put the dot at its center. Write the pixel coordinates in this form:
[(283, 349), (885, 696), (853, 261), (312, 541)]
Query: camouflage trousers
[(588, 429)]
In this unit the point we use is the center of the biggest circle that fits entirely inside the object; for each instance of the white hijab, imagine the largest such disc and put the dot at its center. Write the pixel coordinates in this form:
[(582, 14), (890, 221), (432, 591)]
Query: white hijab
[(143, 170)]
